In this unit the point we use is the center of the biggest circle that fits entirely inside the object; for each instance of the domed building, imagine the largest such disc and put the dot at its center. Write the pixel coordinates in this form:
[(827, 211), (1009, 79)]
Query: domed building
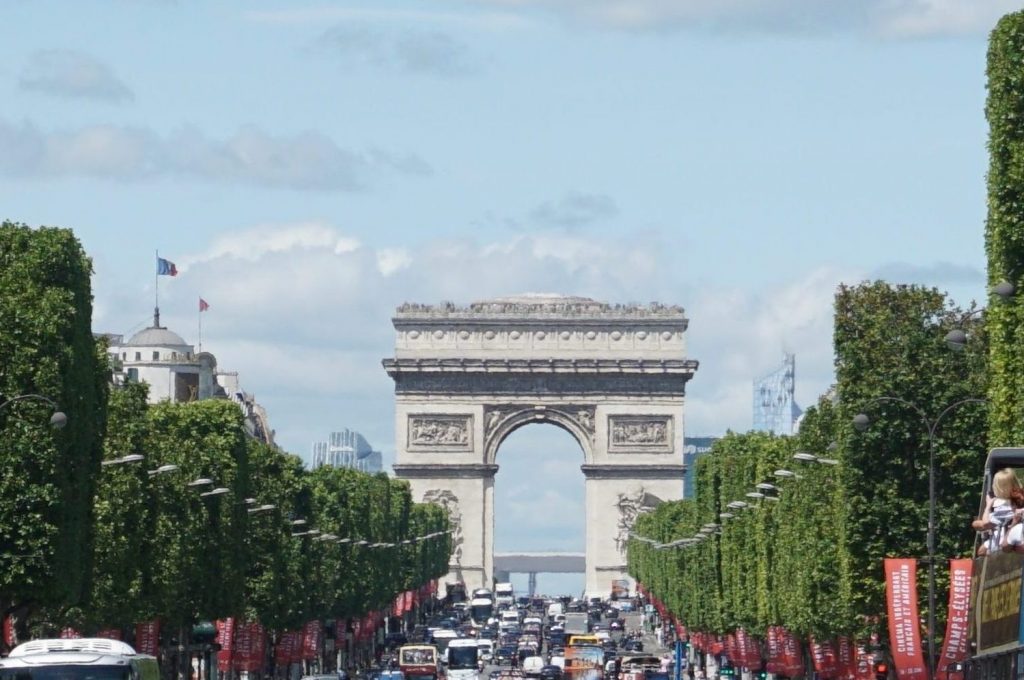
[(174, 372), (162, 359)]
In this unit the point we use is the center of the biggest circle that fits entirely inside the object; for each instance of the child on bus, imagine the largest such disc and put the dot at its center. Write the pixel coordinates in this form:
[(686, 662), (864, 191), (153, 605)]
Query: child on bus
[(1000, 511)]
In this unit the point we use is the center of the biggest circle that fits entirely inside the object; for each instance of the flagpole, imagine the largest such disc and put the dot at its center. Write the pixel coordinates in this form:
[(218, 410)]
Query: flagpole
[(156, 290), (200, 328)]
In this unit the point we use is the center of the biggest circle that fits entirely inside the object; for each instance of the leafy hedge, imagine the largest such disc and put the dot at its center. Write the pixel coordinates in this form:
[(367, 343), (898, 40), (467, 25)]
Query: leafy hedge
[(1004, 228), (812, 561)]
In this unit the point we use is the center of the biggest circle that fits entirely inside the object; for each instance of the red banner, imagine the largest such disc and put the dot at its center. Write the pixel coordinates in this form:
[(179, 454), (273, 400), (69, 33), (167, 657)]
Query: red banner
[(288, 649), (792, 659), (311, 640), (823, 654), (732, 651), (904, 622), (147, 637), (110, 634), (846, 661), (955, 644), (773, 641), (748, 652), (8, 631), (249, 647), (226, 640)]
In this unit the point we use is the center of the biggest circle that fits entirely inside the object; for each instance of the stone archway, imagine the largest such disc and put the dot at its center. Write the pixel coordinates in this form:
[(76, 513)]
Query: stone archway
[(613, 376)]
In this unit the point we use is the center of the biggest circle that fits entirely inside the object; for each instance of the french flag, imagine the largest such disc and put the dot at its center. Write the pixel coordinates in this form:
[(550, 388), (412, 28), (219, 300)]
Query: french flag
[(165, 267)]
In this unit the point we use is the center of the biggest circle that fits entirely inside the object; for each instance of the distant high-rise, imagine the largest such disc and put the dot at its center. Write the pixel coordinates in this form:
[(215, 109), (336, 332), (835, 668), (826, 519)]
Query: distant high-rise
[(774, 407), (349, 449)]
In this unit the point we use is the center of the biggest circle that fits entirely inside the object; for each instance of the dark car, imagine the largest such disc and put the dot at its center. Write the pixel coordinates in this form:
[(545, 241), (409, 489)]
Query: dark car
[(615, 625), (634, 646), (550, 672), (504, 655)]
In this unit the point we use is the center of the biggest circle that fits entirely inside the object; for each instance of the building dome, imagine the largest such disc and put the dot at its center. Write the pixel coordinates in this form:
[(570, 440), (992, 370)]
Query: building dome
[(155, 336)]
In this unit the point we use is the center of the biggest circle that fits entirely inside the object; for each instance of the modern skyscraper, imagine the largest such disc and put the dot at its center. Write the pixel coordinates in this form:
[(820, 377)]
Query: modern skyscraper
[(774, 407), (347, 448)]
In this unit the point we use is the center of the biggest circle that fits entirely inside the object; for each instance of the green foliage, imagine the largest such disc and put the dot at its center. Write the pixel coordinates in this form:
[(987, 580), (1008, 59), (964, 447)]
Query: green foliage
[(47, 478), (812, 561), (1004, 228)]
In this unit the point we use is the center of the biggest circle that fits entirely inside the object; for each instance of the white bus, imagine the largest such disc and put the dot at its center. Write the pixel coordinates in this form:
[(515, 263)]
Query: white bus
[(81, 659), (463, 659)]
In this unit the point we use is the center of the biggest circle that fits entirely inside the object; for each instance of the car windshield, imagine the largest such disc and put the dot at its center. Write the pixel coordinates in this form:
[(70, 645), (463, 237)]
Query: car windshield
[(66, 672)]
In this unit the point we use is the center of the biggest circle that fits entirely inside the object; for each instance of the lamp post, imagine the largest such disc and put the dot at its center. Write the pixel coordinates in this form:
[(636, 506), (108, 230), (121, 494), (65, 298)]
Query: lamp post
[(861, 422), (57, 421)]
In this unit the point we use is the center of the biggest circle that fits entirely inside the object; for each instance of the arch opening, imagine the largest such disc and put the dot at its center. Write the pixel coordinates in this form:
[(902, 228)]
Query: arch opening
[(540, 503)]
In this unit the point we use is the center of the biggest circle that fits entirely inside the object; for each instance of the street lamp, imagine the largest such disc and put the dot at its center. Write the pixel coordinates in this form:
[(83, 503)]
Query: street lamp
[(861, 422), (57, 421), (263, 508), (163, 469), (219, 491), (202, 481), (130, 458)]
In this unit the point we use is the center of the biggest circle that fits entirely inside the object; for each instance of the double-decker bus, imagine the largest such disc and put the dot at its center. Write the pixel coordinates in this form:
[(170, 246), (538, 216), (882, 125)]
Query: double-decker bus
[(584, 662), (995, 621)]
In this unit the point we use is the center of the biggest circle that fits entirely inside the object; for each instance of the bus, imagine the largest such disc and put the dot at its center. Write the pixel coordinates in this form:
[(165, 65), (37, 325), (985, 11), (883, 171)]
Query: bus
[(463, 657), (418, 662), (995, 621), (81, 659), (584, 663)]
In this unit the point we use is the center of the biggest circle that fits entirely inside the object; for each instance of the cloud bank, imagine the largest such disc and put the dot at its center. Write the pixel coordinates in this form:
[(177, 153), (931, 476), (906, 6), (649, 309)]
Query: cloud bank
[(70, 74), (307, 161), (893, 19), (415, 52)]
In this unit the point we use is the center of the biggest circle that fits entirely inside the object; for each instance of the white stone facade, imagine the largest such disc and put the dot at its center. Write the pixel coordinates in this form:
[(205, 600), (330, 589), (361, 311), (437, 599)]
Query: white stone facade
[(612, 376)]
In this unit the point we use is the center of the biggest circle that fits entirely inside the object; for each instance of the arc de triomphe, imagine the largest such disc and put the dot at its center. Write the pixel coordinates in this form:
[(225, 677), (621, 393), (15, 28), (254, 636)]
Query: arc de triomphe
[(613, 376)]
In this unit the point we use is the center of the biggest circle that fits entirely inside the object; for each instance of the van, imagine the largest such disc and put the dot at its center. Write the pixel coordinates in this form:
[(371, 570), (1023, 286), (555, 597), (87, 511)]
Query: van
[(81, 659), (555, 609)]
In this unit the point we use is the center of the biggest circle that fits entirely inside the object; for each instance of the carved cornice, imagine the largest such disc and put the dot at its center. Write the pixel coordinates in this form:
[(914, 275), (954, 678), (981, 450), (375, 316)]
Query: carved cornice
[(547, 366), (541, 308), (565, 386), (444, 471), (637, 471)]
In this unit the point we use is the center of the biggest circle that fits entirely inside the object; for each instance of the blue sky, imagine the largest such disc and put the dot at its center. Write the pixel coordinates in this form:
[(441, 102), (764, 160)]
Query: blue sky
[(310, 166)]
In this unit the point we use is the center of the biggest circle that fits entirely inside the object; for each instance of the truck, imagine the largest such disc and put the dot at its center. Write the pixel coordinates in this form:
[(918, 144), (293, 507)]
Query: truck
[(577, 623), (504, 595)]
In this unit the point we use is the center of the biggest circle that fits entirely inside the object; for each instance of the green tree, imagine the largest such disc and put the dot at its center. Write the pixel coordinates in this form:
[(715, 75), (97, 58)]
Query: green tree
[(47, 478), (1004, 228)]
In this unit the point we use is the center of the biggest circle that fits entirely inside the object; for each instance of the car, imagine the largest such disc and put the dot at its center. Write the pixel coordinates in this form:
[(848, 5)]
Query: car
[(550, 672), (634, 646), (615, 625)]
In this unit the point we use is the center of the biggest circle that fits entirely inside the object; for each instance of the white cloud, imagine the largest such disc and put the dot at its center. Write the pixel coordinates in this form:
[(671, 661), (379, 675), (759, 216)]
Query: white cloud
[(391, 260), (70, 74), (306, 161), (409, 51), (887, 18), (303, 312)]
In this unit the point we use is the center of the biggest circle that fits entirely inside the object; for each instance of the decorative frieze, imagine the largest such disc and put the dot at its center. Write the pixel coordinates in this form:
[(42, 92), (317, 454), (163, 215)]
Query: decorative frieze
[(440, 432), (640, 433)]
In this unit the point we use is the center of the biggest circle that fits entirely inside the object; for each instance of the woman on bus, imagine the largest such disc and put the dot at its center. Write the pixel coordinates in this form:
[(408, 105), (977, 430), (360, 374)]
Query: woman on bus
[(1000, 511)]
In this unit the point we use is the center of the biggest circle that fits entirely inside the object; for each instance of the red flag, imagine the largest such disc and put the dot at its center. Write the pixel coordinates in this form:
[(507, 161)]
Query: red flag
[(904, 622), (249, 647), (147, 637), (203, 305), (955, 644), (824, 656), (311, 640), (226, 640)]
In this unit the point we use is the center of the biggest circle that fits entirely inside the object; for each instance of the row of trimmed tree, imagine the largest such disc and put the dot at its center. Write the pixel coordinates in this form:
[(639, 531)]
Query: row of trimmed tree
[(98, 546), (812, 560), (808, 556)]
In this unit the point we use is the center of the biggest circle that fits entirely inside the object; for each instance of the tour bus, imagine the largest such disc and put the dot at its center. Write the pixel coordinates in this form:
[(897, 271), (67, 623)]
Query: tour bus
[(418, 662), (995, 611), (442, 637), (81, 659), (481, 609), (584, 663), (463, 657)]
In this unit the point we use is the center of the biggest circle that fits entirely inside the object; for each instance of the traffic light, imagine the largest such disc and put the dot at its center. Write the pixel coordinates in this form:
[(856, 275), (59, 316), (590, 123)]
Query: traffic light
[(726, 672), (762, 675), (881, 670)]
